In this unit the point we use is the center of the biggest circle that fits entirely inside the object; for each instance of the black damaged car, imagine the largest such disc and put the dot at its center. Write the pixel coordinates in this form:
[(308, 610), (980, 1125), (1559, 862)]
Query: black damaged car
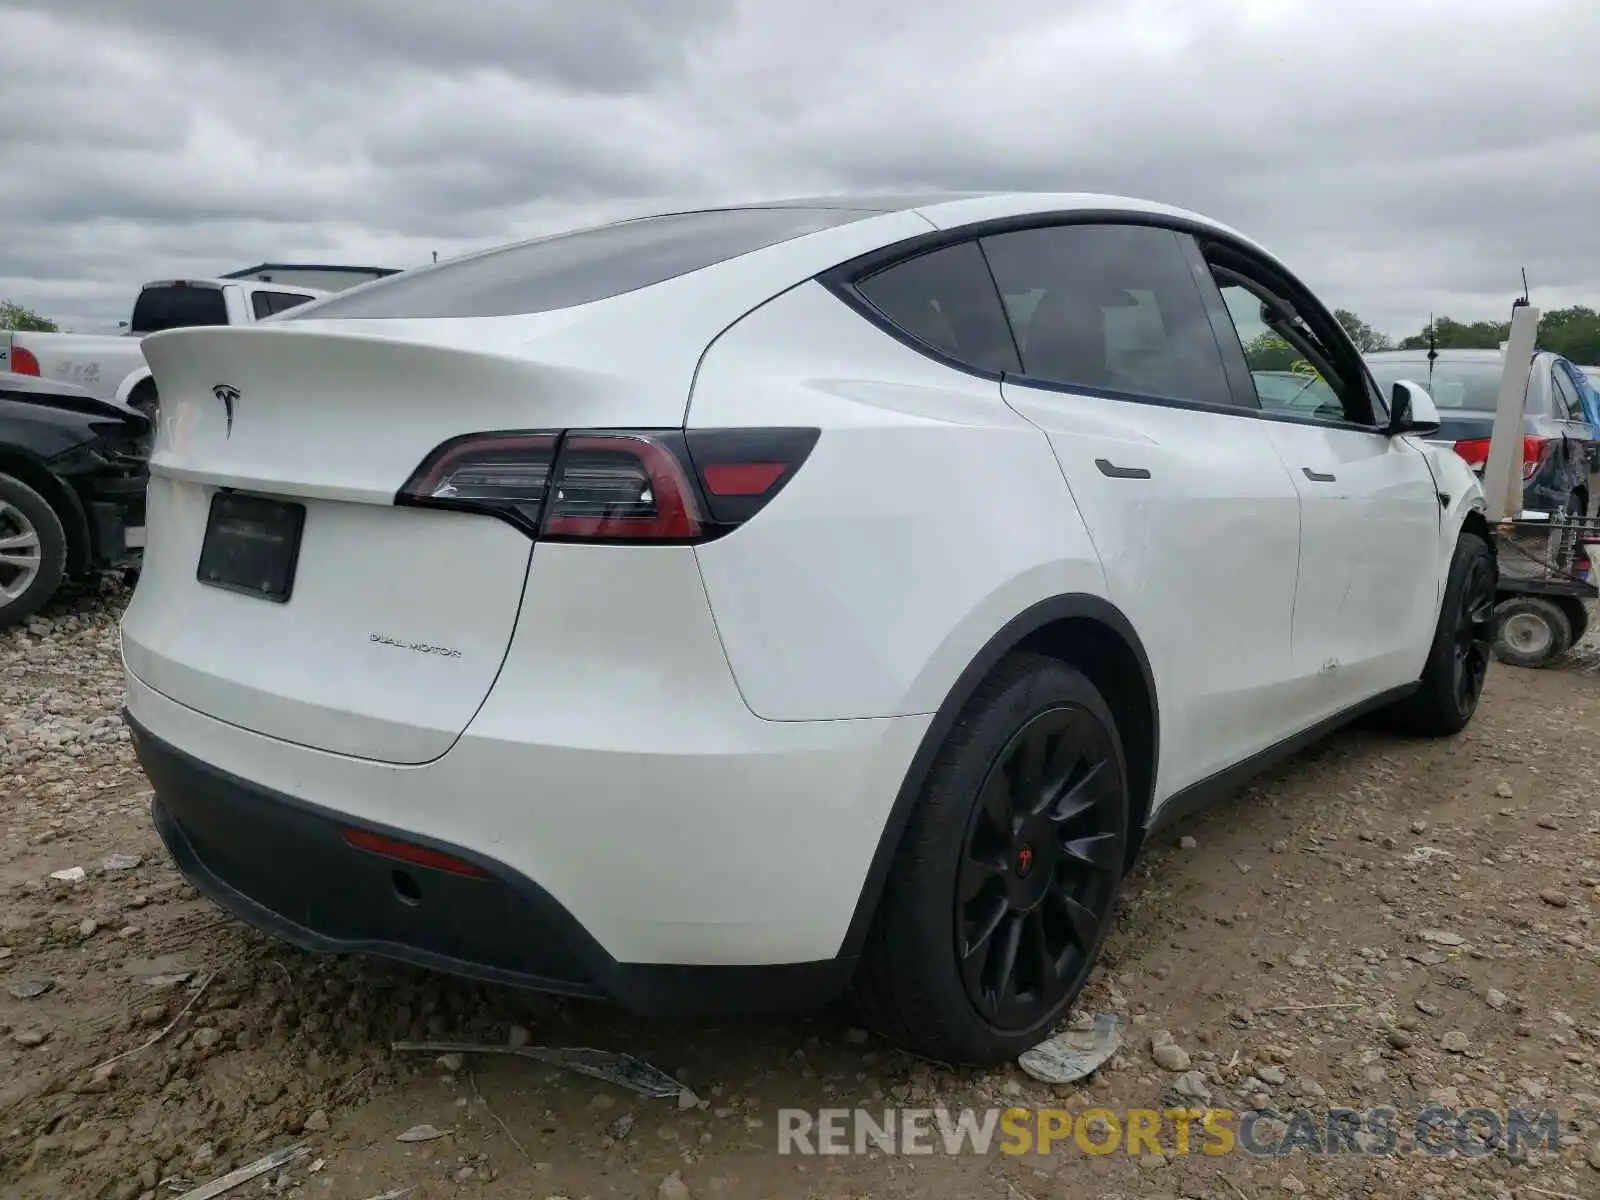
[(72, 480)]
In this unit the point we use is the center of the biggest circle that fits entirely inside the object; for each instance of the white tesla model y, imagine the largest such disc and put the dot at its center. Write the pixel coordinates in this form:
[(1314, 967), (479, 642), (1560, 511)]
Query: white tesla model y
[(737, 607)]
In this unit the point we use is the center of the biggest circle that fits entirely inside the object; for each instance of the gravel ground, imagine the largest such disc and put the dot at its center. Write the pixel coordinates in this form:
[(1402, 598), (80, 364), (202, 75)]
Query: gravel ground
[(1381, 922)]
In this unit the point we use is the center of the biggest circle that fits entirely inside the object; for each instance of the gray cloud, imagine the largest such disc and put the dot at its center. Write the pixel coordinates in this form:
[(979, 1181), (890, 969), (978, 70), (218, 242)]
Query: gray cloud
[(1405, 159)]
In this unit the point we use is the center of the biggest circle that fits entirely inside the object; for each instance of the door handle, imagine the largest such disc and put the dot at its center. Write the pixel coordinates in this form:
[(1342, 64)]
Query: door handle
[(1318, 476), (1112, 471)]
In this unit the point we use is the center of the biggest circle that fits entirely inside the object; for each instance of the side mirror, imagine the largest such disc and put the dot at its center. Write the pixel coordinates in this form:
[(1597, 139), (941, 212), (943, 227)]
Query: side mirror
[(1411, 410)]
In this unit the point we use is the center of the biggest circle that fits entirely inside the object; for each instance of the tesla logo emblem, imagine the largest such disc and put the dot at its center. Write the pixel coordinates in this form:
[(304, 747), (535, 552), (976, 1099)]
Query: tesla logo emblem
[(229, 395), (1024, 860)]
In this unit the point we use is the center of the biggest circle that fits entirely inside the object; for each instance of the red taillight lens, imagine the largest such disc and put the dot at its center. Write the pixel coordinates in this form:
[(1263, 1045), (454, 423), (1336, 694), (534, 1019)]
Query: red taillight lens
[(409, 852), (1476, 453), (24, 361), (741, 470), (1533, 449), (741, 479), (508, 473), (621, 487), (613, 485)]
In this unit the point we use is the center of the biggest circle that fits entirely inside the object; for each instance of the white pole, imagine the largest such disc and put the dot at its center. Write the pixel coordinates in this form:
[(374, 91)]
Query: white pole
[(1502, 474)]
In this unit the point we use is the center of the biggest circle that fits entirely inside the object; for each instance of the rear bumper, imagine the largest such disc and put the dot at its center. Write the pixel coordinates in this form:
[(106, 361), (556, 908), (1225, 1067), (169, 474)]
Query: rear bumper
[(283, 865), (706, 860)]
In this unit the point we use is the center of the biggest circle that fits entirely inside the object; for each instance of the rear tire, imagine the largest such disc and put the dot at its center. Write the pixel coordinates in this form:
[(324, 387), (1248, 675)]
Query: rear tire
[(1531, 631), (33, 551), (1005, 882), (1447, 695)]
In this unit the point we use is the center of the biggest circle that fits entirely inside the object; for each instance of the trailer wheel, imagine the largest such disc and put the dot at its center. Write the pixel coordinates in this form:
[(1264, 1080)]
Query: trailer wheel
[(1530, 632)]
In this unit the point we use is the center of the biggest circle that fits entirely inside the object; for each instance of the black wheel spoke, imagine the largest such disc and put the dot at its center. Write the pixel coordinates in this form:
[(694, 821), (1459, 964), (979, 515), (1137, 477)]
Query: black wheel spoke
[(1079, 798), (1082, 923), (1060, 769), (1028, 768), (1102, 852), (1007, 945), (989, 922), (996, 805), (978, 873), (1045, 963)]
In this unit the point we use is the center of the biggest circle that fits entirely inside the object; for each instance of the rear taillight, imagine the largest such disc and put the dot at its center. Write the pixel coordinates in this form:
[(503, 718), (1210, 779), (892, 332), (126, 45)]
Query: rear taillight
[(24, 361), (1533, 451), (1476, 453), (613, 485), (504, 473)]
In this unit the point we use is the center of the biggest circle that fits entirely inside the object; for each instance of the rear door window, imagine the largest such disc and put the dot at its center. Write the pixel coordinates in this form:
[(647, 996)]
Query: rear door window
[(578, 267), (1109, 307), (946, 300), (1568, 406)]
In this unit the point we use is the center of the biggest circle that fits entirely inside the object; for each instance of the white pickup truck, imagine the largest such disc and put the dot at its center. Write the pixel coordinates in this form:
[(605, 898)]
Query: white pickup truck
[(111, 367)]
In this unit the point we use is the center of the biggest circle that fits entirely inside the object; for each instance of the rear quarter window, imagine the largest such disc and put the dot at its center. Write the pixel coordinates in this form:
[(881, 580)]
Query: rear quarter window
[(946, 300), (576, 268)]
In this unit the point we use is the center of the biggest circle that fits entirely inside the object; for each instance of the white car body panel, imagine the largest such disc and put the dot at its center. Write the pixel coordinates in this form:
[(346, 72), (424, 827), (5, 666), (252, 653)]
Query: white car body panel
[(1363, 612), (646, 731), (1213, 606), (881, 608), (633, 726)]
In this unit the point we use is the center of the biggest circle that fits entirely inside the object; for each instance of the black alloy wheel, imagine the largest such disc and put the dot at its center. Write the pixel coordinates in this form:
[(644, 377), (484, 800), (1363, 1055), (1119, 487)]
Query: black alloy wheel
[(1043, 853), (1474, 634)]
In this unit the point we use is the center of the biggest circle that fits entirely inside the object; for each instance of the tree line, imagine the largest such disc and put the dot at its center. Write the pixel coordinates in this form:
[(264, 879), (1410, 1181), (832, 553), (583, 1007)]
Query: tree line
[(1573, 333), (17, 316)]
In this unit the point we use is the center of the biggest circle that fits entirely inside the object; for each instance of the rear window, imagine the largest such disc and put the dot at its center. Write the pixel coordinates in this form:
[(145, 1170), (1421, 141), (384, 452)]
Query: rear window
[(578, 267), (1458, 386), (177, 306)]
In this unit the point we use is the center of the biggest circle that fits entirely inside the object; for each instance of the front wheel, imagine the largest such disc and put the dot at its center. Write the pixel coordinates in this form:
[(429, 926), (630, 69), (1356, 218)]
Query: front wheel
[(1447, 695), (1005, 881)]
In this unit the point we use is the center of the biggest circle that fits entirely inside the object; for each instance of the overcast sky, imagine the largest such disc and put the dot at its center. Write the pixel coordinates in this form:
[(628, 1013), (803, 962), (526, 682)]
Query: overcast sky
[(1403, 157)]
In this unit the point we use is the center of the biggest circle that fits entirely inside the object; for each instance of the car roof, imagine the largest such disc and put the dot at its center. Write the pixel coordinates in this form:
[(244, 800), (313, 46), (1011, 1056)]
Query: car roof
[(952, 209)]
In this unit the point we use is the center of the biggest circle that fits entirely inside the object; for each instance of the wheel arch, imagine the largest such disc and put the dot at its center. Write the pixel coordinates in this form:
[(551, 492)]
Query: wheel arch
[(143, 396), (1091, 634), (139, 381), (60, 497)]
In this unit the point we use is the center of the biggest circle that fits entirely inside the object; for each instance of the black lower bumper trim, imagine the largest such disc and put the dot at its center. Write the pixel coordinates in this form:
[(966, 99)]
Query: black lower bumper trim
[(283, 865), (109, 524)]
